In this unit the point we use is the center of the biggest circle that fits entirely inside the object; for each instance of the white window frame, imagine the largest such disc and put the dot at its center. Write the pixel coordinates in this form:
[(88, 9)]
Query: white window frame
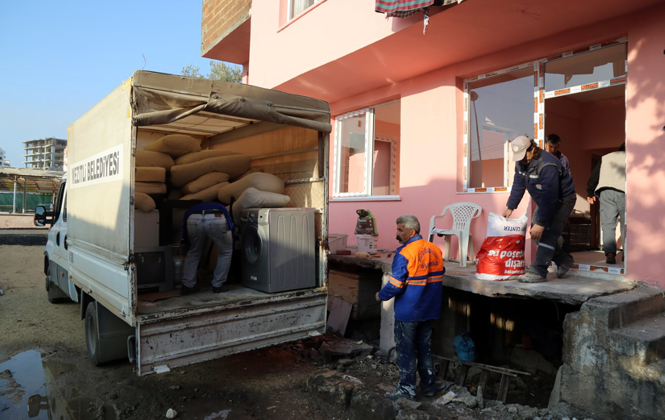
[(368, 174), (289, 10)]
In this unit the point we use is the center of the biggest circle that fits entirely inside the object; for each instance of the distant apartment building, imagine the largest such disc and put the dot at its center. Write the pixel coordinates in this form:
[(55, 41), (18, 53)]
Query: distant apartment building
[(45, 153), (4, 163)]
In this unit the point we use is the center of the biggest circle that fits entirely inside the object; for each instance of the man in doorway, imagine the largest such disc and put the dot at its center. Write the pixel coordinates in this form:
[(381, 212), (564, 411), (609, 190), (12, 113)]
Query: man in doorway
[(608, 181), (552, 143), (553, 190), (416, 284)]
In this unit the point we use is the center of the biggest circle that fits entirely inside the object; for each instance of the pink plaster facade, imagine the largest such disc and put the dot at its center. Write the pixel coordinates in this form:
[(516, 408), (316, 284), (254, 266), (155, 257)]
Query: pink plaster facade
[(343, 52)]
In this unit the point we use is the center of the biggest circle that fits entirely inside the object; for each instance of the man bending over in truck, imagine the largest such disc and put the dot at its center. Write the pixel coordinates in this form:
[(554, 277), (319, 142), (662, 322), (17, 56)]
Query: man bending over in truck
[(207, 220)]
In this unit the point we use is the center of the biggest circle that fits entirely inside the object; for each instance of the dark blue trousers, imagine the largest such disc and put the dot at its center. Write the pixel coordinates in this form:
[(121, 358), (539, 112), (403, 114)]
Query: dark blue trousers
[(414, 349)]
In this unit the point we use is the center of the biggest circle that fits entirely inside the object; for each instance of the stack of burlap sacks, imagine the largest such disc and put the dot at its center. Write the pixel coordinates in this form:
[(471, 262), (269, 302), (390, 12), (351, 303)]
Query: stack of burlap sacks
[(204, 175)]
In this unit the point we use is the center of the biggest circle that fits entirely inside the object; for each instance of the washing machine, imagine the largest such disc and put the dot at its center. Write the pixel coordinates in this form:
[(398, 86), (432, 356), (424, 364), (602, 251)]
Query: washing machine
[(278, 249)]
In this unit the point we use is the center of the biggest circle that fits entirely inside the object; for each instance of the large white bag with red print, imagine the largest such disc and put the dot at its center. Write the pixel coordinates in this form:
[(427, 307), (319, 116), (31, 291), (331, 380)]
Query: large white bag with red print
[(501, 255)]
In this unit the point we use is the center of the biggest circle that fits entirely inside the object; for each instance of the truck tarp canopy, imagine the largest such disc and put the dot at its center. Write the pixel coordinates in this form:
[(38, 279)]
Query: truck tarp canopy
[(163, 98)]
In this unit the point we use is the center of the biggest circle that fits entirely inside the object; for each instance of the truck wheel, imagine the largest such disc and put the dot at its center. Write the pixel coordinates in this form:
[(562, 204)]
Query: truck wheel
[(92, 333), (53, 292)]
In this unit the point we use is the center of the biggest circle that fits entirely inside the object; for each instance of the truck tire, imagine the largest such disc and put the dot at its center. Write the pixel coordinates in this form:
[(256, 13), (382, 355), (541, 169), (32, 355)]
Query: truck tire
[(105, 335), (54, 294), (92, 333)]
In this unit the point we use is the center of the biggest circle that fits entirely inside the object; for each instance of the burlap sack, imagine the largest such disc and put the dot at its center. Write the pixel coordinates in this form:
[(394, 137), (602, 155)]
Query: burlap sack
[(153, 159), (259, 180), (206, 195), (203, 154), (175, 145), (248, 172), (203, 182), (150, 187), (150, 174), (253, 198), (144, 202), (233, 165)]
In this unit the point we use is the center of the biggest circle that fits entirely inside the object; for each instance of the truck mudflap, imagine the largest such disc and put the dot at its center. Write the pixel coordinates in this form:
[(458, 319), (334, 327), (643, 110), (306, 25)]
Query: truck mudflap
[(185, 336)]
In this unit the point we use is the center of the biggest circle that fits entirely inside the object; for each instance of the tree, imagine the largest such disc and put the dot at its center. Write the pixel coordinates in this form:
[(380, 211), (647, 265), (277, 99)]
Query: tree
[(219, 70)]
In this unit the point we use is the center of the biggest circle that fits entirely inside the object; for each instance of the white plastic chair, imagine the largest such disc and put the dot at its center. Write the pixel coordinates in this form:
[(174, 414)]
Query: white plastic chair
[(462, 214)]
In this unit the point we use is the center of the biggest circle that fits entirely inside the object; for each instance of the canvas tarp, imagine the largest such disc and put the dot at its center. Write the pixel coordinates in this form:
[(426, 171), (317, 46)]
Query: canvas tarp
[(162, 98)]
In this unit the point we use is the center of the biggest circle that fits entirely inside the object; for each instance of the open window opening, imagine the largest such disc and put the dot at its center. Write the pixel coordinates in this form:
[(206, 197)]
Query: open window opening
[(580, 97), (585, 105)]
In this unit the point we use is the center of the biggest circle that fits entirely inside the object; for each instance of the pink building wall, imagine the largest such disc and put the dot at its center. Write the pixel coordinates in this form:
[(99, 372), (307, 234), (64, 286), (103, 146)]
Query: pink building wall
[(645, 137), (431, 101)]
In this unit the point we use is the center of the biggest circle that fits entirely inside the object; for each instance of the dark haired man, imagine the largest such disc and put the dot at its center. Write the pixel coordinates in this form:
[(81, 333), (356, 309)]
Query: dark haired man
[(553, 190), (552, 143)]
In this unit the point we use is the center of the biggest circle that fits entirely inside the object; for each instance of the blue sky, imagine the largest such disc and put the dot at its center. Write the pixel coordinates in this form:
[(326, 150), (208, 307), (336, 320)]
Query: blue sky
[(59, 58)]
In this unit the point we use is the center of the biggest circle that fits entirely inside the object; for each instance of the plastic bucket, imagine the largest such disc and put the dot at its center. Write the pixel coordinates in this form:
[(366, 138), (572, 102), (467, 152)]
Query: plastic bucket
[(336, 241), (367, 243)]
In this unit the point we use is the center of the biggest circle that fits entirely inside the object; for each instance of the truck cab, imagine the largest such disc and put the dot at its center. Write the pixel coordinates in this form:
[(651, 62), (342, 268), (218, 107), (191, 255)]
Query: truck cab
[(56, 260)]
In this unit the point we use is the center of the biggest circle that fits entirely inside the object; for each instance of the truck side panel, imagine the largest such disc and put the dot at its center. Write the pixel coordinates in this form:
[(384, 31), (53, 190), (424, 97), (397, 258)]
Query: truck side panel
[(99, 181), (104, 279), (229, 329)]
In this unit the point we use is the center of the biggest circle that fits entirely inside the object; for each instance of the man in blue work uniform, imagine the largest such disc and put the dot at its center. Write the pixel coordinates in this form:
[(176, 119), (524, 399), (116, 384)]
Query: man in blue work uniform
[(553, 190), (416, 284)]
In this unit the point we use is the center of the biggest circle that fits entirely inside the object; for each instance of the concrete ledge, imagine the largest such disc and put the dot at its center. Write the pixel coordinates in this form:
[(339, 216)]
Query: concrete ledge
[(17, 221), (25, 237), (573, 289)]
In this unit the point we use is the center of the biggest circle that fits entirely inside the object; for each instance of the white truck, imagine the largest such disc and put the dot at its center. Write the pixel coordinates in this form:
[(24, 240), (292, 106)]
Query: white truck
[(95, 251)]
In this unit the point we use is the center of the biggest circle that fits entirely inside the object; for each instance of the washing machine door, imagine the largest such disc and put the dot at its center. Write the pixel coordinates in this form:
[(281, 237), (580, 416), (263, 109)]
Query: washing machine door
[(253, 245)]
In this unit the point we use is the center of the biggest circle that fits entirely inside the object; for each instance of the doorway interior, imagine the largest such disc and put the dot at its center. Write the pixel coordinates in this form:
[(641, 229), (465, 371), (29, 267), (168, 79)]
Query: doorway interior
[(590, 125)]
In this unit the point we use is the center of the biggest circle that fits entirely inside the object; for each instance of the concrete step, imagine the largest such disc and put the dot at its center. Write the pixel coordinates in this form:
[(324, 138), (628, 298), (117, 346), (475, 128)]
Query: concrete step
[(629, 307), (644, 339)]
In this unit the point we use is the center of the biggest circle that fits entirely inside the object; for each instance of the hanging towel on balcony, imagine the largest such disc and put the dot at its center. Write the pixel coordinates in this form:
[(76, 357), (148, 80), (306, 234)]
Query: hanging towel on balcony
[(405, 8)]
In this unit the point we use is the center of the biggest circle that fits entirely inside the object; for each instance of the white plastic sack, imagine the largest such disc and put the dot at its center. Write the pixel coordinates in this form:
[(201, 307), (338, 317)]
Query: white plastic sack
[(501, 255)]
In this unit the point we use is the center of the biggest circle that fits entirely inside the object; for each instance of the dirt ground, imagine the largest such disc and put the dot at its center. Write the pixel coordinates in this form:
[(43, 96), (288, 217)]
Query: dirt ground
[(45, 372)]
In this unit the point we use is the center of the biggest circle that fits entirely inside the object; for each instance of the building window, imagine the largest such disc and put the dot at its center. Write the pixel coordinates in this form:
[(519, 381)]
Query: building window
[(366, 152), (509, 103), (296, 7), (499, 109)]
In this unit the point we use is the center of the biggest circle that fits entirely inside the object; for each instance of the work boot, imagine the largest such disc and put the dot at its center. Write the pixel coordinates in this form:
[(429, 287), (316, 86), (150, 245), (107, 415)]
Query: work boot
[(184, 290), (439, 388), (611, 258), (530, 277), (562, 269), (221, 289)]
